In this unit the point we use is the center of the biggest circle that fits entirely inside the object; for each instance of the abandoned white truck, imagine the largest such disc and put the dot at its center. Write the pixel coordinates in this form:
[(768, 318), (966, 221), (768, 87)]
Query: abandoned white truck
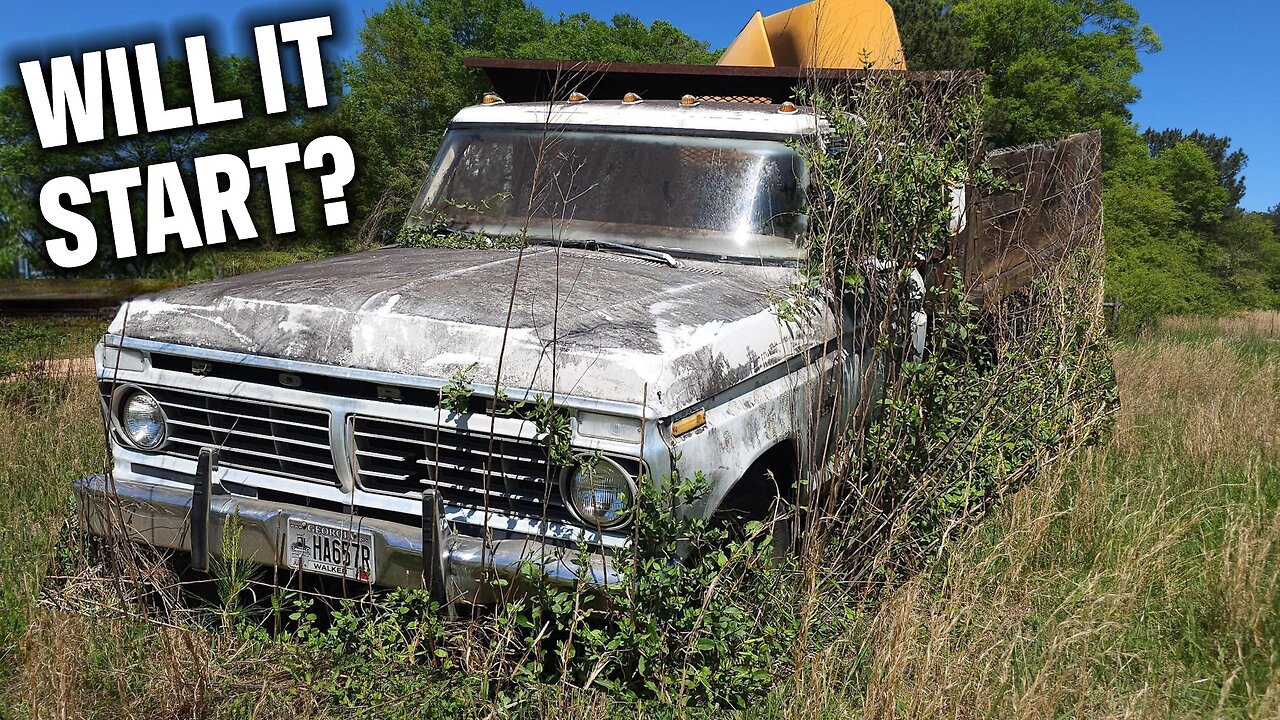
[(363, 408)]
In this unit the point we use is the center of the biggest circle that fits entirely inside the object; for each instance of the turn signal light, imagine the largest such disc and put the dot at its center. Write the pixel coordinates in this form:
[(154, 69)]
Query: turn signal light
[(688, 424)]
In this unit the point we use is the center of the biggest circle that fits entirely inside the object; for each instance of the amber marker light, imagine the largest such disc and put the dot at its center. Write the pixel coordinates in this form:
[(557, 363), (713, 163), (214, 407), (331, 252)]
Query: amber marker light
[(492, 99), (578, 97), (631, 99), (689, 423), (688, 101), (787, 108)]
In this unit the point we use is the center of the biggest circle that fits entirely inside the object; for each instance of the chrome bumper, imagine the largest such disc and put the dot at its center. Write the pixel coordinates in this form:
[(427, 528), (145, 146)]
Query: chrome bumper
[(160, 515)]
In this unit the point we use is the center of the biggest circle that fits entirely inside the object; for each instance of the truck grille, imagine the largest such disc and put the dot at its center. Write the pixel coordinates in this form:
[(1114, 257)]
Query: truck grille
[(268, 438), (402, 458), (392, 457)]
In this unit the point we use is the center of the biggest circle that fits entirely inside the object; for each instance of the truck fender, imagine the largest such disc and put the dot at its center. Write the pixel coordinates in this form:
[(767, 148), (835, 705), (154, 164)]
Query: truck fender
[(770, 476)]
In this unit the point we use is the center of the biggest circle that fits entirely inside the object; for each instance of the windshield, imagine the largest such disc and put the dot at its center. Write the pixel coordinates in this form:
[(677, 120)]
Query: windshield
[(714, 196)]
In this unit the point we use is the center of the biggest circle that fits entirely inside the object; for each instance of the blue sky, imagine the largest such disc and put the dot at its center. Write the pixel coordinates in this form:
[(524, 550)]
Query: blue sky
[(1219, 71)]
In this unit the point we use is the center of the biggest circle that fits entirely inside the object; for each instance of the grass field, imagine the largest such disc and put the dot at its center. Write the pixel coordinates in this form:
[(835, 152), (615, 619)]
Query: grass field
[(28, 343), (1139, 579)]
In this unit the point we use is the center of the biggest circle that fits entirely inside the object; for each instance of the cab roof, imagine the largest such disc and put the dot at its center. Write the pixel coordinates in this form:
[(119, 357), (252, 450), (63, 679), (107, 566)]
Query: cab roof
[(727, 118)]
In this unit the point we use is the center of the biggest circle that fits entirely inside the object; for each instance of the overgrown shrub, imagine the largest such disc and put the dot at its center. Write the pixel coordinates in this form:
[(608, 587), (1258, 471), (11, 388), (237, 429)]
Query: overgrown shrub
[(698, 619), (1003, 388), (698, 615)]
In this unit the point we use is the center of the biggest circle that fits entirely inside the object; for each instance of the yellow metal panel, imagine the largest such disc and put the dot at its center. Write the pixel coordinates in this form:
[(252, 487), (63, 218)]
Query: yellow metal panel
[(751, 48), (822, 34)]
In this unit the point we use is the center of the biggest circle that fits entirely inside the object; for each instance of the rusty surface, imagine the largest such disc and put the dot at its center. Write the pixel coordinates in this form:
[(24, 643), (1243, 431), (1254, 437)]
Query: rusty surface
[(534, 80), (1053, 208)]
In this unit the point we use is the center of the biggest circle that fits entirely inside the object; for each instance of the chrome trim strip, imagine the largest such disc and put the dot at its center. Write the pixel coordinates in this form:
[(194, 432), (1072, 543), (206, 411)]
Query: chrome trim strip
[(410, 505), (112, 340)]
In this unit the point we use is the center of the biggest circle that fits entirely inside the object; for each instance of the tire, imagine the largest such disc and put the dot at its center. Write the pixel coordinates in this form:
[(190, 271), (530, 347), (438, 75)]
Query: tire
[(759, 500)]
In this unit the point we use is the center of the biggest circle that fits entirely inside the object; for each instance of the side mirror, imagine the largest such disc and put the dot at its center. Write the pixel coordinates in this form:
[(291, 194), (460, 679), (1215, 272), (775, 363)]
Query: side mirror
[(959, 200)]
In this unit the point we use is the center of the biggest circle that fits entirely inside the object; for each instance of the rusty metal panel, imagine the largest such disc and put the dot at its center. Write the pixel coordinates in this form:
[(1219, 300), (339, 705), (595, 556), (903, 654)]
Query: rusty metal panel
[(1053, 208), (541, 80)]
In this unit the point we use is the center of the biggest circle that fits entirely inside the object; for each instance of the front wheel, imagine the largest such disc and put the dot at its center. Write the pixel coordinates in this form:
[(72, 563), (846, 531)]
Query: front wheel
[(763, 495)]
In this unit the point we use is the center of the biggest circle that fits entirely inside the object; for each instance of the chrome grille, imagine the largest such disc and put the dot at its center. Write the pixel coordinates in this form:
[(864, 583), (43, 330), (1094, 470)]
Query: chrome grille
[(261, 437), (401, 458)]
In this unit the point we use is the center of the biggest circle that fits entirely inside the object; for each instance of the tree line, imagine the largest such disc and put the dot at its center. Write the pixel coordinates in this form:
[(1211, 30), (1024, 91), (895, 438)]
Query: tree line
[(1178, 239)]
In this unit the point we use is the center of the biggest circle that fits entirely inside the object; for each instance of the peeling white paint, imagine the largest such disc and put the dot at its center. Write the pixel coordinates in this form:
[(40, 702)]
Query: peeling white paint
[(659, 337), (677, 339), (391, 303), (151, 307)]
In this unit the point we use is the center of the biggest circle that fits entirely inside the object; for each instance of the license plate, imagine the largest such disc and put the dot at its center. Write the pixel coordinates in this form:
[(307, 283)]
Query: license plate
[(330, 550)]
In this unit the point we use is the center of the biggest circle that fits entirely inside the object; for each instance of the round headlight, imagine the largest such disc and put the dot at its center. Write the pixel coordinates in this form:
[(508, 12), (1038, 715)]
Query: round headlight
[(143, 421), (600, 490)]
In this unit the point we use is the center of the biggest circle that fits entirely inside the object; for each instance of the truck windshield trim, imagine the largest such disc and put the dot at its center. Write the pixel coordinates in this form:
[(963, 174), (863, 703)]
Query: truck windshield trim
[(554, 127), (677, 193)]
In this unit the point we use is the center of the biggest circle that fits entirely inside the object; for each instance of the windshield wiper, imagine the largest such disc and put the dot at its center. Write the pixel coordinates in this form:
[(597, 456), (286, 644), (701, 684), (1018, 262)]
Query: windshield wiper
[(658, 255), (642, 252)]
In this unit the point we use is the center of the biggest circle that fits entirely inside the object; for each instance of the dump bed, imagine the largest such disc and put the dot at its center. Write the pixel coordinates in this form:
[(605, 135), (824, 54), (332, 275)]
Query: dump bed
[(1054, 203)]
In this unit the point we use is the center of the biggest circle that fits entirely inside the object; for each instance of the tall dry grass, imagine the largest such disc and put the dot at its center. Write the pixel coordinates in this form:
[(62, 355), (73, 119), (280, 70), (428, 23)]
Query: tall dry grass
[(1140, 580), (51, 433), (1252, 324)]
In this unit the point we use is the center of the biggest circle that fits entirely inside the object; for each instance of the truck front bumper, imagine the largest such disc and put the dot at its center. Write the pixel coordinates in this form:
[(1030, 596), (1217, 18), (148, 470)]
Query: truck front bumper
[(160, 515)]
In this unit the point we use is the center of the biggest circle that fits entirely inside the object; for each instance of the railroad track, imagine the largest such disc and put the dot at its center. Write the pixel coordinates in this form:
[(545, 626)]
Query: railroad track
[(71, 297), (28, 307)]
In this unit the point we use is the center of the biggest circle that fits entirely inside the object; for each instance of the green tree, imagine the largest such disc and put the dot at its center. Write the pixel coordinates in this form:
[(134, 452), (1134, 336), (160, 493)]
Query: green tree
[(25, 167), (1187, 173), (932, 37), (408, 80), (1155, 264), (1174, 247), (623, 39), (1055, 67), (1230, 164), (19, 164), (1249, 263)]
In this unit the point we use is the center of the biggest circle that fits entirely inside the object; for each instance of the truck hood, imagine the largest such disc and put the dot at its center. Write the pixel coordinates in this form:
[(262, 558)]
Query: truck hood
[(623, 329)]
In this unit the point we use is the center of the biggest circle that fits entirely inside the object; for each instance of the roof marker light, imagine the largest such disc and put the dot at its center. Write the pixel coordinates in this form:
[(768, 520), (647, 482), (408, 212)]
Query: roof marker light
[(787, 108), (688, 101), (492, 99), (631, 99), (578, 97)]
